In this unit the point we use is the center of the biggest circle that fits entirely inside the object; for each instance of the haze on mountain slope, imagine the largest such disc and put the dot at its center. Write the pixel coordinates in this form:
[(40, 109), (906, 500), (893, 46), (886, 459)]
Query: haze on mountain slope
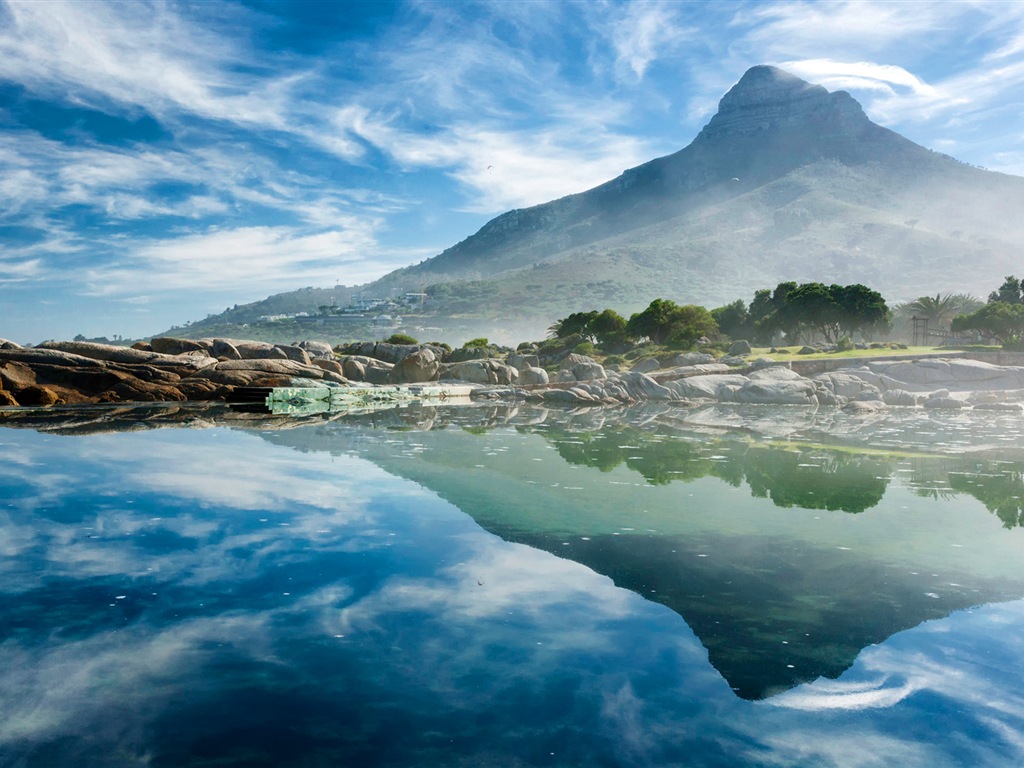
[(786, 182)]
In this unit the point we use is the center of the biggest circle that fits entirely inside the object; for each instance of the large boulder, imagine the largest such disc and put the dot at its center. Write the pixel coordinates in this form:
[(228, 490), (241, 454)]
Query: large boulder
[(249, 372), (589, 371), (295, 354), (258, 350), (317, 349), (416, 368), (223, 348), (329, 365), (740, 347), (362, 368), (110, 352), (522, 361), (482, 372), (775, 373), (169, 345), (691, 358), (36, 395), (646, 365), (712, 386), (531, 377), (775, 392), (846, 385), (8, 344)]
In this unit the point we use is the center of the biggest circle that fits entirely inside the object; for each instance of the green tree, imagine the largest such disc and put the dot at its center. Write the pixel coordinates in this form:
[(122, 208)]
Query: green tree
[(690, 323), (608, 326), (400, 338), (770, 313), (1003, 321), (813, 306), (655, 322), (1010, 292), (862, 310), (577, 322), (733, 319), (940, 309)]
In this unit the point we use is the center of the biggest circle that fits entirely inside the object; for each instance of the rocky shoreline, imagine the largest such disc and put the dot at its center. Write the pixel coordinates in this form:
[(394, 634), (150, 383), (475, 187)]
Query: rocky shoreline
[(181, 370)]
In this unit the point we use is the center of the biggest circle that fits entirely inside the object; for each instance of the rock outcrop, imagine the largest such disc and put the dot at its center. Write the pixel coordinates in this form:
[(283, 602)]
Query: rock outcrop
[(87, 372)]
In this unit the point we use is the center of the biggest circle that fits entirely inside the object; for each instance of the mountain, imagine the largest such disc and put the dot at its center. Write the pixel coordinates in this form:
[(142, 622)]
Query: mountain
[(786, 182)]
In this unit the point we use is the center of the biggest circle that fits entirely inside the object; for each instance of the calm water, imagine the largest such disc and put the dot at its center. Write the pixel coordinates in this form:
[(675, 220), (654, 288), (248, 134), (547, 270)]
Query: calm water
[(491, 586)]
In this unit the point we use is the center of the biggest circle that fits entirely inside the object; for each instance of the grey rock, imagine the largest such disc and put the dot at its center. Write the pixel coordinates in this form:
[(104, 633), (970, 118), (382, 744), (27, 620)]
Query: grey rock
[(845, 385), (533, 376), (775, 373), (416, 368), (317, 349), (521, 361), (646, 365), (864, 407), (1014, 407), (482, 372), (589, 371), (947, 403), (691, 358), (8, 344), (709, 387), (740, 347), (901, 397), (800, 392), (573, 359)]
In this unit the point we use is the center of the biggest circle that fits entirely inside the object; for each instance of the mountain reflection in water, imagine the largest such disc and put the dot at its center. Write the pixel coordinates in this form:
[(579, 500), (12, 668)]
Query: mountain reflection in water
[(265, 595), (777, 596)]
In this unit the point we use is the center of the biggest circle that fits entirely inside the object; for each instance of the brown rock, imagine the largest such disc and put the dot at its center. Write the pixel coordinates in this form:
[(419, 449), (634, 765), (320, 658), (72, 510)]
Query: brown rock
[(329, 365), (169, 345), (295, 354), (36, 395), (6, 398)]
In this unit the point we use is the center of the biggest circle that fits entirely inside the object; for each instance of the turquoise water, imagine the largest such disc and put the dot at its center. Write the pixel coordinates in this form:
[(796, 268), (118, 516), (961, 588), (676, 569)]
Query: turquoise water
[(510, 587)]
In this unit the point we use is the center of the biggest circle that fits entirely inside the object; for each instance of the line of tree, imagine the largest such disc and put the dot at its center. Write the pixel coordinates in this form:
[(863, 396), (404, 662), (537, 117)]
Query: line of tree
[(794, 310), (805, 310), (1001, 318)]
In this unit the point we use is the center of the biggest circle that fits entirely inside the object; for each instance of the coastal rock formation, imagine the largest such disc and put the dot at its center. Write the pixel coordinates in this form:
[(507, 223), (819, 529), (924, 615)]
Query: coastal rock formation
[(87, 372)]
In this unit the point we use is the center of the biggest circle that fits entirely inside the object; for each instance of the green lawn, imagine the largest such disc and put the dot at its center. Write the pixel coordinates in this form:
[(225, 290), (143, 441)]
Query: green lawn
[(853, 353)]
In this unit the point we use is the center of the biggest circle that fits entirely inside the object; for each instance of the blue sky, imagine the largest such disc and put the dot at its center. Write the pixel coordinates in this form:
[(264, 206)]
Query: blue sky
[(161, 161)]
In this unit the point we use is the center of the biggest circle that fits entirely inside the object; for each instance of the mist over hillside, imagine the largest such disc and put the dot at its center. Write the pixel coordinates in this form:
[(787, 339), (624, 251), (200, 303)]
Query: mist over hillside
[(786, 182)]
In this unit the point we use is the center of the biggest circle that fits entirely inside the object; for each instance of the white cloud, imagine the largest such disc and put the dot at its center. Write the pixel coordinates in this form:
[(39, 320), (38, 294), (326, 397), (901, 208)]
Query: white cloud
[(645, 31), (245, 258), (883, 76), (134, 55)]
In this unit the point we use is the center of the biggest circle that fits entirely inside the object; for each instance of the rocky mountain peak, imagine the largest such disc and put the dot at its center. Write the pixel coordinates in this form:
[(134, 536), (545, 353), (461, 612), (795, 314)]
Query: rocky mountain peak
[(767, 98)]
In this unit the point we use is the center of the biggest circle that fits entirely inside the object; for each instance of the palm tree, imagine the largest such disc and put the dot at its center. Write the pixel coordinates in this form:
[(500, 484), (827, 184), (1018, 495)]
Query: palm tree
[(941, 309)]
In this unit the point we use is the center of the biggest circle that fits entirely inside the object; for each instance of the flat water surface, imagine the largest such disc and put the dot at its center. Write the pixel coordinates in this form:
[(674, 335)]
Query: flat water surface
[(511, 587)]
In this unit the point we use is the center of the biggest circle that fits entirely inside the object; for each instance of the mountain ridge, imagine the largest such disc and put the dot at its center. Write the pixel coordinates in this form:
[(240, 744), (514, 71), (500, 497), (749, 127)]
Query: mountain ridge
[(787, 181)]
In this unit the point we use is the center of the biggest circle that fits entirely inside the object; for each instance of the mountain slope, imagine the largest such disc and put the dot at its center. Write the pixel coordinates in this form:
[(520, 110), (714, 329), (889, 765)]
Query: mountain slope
[(786, 182)]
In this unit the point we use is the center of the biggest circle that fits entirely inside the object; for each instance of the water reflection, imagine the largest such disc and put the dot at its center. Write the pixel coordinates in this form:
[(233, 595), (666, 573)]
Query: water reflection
[(311, 592)]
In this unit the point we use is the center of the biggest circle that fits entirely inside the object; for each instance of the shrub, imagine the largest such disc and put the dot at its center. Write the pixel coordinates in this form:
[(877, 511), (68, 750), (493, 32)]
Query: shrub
[(477, 343), (400, 338), (844, 344), (584, 348)]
